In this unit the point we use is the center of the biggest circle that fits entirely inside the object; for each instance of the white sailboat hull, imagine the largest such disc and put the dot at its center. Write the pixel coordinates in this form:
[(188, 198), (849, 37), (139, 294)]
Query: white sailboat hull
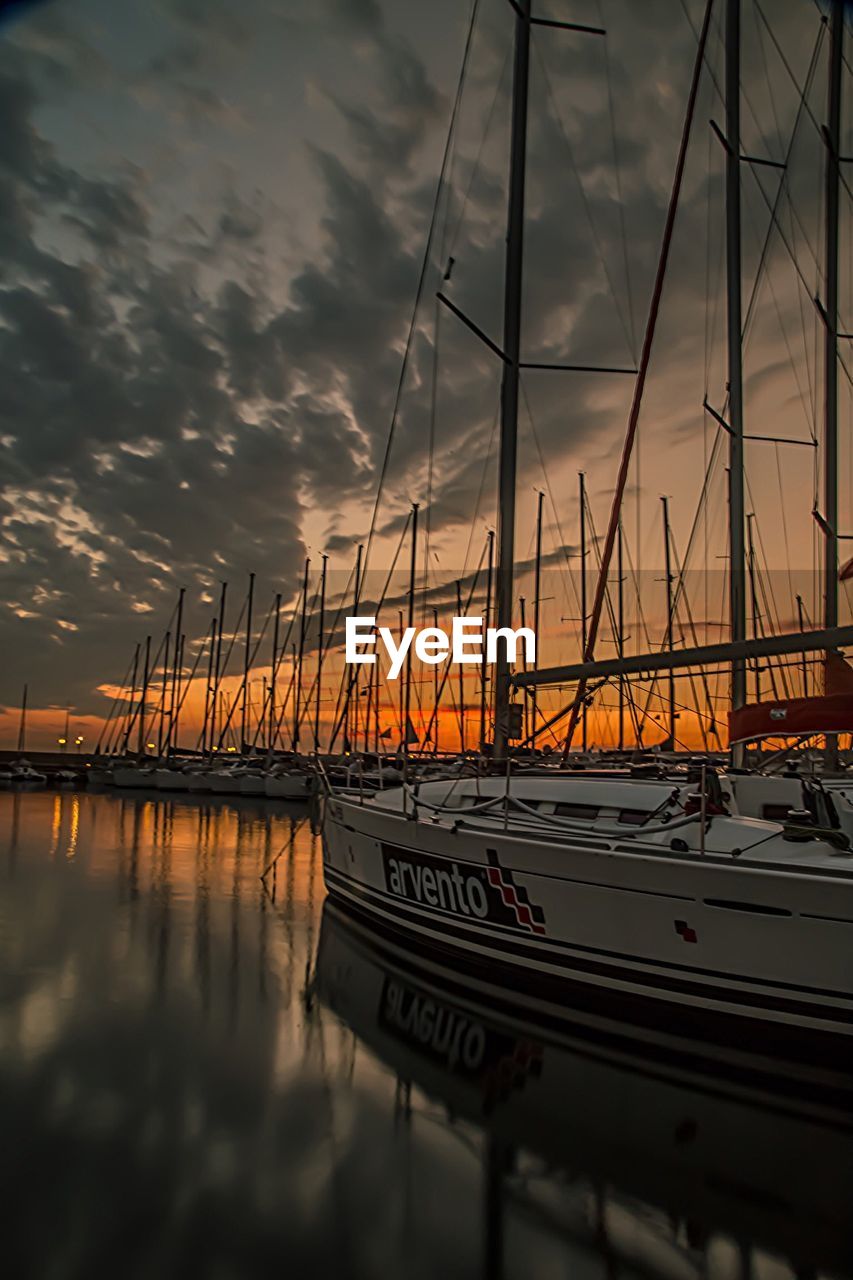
[(712, 935), (288, 786), (170, 780), (131, 776)]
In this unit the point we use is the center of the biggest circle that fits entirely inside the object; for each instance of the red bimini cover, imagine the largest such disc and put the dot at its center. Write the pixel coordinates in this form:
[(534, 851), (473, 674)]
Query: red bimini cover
[(832, 713)]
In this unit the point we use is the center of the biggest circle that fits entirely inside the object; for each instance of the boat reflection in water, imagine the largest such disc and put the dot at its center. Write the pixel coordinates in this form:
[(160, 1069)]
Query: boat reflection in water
[(649, 1163)]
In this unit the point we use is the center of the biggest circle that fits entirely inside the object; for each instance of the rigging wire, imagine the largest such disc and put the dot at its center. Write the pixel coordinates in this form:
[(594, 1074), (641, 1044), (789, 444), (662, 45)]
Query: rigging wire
[(421, 281), (626, 327), (618, 173)]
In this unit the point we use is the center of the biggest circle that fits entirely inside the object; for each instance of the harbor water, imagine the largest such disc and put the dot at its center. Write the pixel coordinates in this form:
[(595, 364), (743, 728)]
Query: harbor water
[(207, 1071)]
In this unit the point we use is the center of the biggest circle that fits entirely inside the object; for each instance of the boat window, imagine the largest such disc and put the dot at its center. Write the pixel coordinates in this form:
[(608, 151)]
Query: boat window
[(589, 812), (633, 817)]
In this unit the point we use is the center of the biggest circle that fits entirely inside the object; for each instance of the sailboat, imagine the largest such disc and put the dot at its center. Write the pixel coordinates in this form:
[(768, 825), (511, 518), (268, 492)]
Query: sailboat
[(653, 896)]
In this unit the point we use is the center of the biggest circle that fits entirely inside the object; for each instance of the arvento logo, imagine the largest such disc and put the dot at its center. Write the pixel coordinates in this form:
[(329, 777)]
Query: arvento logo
[(486, 892), (466, 644)]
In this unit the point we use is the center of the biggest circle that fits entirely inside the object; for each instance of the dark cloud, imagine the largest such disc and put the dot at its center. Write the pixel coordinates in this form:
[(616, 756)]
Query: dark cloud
[(184, 389)]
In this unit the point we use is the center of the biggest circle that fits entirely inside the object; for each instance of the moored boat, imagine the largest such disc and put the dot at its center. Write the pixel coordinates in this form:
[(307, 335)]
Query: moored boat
[(647, 896), (288, 785)]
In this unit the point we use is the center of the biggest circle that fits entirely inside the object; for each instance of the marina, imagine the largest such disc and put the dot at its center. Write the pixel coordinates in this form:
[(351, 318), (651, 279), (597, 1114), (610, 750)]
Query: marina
[(426, 746)]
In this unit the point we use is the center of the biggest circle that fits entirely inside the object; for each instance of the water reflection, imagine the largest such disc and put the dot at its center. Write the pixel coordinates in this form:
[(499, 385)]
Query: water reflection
[(203, 1072)]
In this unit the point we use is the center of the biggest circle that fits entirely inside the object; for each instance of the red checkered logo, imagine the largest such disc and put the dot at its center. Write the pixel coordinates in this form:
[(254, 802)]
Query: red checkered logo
[(513, 896)]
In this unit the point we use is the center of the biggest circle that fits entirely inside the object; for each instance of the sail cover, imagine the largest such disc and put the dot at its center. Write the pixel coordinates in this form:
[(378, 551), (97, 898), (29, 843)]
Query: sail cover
[(831, 712)]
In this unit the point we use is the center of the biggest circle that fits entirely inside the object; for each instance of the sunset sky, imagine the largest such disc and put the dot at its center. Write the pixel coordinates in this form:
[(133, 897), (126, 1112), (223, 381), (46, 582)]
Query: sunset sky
[(212, 222)]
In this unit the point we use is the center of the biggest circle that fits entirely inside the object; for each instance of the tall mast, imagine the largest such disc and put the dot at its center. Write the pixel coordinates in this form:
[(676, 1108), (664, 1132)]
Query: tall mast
[(270, 734), (582, 483), (218, 666), (162, 740), (437, 694), (246, 660), (297, 688), (170, 737), (578, 700), (412, 573), (352, 683), (525, 705), (321, 630), (832, 137), (667, 560), (462, 680), (512, 355), (490, 539), (753, 598), (537, 600), (620, 631), (208, 692), (22, 728), (803, 661), (830, 478), (143, 696), (174, 728), (130, 705), (737, 548)]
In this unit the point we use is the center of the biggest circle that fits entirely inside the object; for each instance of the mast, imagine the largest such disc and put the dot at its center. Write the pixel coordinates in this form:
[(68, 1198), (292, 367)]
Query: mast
[(209, 687), (512, 355), (161, 736), (525, 706), (804, 663), (669, 618), (490, 540), (537, 600), (175, 727), (832, 138), (321, 630), (753, 598), (620, 631), (412, 572), (737, 549), (129, 724), (22, 728), (639, 386), (275, 631), (170, 737), (436, 686), (353, 679), (582, 480), (462, 680), (246, 659), (832, 135), (143, 696), (297, 688), (218, 666)]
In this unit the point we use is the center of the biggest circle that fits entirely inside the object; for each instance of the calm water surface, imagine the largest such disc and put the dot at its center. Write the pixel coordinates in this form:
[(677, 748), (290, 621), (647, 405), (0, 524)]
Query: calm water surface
[(204, 1074)]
